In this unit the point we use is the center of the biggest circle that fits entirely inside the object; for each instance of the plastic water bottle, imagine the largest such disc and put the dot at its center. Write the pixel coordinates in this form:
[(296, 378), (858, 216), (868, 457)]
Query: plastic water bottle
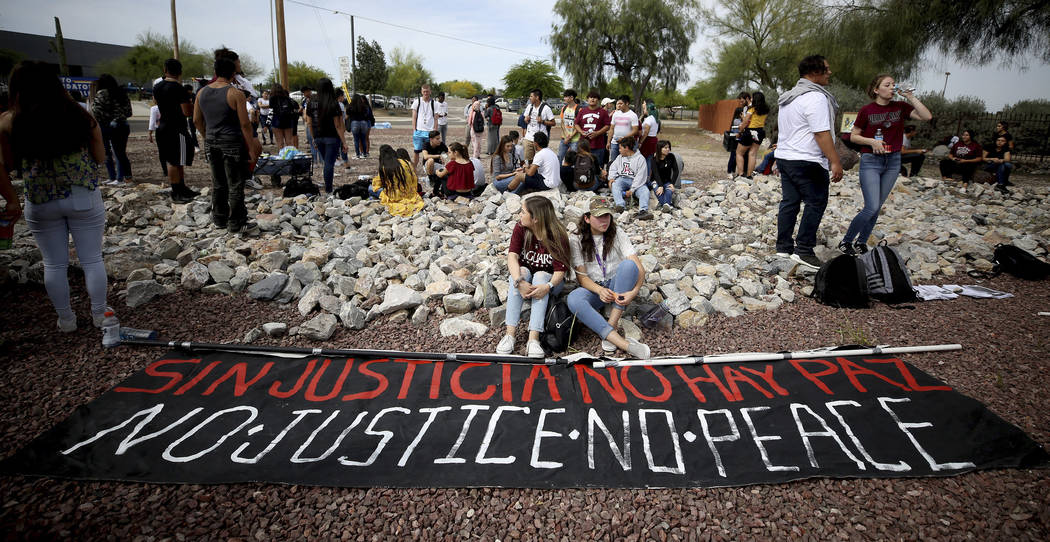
[(382, 125), (110, 330), (133, 333), (878, 135)]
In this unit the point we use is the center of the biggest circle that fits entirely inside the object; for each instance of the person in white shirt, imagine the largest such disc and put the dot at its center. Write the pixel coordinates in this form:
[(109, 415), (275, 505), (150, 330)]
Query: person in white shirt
[(264, 116), (624, 123), (805, 154), (629, 176), (539, 118), (424, 120), (154, 121), (441, 112), (543, 174)]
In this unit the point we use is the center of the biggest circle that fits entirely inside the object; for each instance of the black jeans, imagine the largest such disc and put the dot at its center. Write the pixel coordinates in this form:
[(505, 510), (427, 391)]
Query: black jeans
[(228, 160), (916, 161), (950, 167), (115, 141), (802, 182)]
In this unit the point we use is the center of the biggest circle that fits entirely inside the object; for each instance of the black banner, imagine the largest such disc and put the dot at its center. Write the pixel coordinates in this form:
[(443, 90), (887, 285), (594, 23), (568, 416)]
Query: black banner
[(221, 417)]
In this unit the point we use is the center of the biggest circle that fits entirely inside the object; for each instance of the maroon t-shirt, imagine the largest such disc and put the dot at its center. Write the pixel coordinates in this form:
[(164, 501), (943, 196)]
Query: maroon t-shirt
[(535, 257), (592, 120), (889, 118), (460, 176), (967, 151)]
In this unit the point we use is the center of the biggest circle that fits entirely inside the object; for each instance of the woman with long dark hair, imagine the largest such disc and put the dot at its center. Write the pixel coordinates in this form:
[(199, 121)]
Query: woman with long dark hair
[(361, 119), (284, 113), (504, 164), (397, 184), (752, 132), (112, 109), (324, 118), (59, 147)]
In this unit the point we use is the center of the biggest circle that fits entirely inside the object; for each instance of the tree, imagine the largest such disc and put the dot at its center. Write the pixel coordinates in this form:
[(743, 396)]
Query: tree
[(463, 89), (530, 74), (370, 74), (406, 72), (8, 59), (640, 41), (300, 74), (145, 61)]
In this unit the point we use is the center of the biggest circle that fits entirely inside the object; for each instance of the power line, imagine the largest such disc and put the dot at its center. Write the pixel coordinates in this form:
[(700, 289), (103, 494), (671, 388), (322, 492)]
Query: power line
[(395, 25)]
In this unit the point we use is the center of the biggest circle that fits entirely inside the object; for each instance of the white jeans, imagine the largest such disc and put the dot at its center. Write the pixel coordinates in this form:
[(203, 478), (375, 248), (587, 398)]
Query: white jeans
[(82, 215)]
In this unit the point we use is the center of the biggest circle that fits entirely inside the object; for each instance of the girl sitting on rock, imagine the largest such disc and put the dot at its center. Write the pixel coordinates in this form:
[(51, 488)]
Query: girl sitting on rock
[(664, 173), (458, 173), (397, 184), (537, 259), (609, 271)]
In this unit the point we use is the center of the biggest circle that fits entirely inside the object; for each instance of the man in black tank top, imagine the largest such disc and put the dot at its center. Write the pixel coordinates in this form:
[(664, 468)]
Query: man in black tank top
[(222, 118)]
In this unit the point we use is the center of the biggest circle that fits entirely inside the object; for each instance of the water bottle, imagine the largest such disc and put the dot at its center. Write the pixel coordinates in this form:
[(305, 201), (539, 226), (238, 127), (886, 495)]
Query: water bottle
[(110, 330), (878, 135), (133, 333), (382, 125)]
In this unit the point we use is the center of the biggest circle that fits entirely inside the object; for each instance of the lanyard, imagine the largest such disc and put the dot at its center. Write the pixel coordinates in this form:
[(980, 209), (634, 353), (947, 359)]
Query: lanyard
[(601, 263)]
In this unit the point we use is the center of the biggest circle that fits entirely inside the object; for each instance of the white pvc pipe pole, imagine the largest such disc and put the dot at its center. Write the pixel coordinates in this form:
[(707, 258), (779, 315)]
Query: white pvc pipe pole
[(777, 356)]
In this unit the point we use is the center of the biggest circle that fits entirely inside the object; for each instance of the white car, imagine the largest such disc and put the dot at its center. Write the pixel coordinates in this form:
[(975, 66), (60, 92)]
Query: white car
[(502, 103), (395, 103)]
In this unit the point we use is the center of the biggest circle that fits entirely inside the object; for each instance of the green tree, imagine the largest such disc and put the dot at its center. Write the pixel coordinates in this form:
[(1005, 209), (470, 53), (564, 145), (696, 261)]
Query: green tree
[(640, 41), (300, 74), (370, 74), (406, 73), (145, 61), (530, 74), (1029, 107), (463, 89)]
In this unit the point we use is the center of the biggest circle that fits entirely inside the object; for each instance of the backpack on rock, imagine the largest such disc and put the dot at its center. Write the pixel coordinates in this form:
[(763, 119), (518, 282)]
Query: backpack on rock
[(1020, 263), (560, 328), (887, 276), (841, 282)]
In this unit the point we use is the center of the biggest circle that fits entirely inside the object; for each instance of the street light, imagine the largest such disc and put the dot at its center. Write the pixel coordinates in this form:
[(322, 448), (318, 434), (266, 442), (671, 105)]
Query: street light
[(946, 74)]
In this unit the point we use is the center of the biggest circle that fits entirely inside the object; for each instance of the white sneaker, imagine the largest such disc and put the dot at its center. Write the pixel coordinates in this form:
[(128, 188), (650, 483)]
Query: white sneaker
[(67, 326), (338, 163), (97, 318), (608, 347), (637, 349), (506, 345), (253, 183), (534, 350)]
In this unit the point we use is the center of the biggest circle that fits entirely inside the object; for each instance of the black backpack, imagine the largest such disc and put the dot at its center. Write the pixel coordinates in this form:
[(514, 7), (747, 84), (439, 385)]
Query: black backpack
[(887, 277), (1020, 263), (479, 122), (560, 328), (583, 172), (841, 282), (300, 185)]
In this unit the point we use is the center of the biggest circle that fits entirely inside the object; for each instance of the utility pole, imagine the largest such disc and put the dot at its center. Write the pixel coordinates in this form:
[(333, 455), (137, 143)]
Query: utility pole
[(60, 47), (174, 33), (943, 90), (282, 49), (353, 59)]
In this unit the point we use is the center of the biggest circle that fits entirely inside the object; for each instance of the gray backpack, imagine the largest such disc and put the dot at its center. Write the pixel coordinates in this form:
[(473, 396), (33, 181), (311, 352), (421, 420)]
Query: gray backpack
[(887, 276)]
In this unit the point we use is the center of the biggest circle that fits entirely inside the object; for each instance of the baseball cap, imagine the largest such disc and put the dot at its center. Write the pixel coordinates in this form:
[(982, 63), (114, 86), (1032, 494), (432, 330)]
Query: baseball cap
[(601, 205), (606, 101)]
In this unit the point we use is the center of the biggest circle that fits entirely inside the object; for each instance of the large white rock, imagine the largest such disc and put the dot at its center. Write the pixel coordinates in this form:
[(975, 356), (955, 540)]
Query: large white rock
[(454, 327), (399, 297), (195, 276)]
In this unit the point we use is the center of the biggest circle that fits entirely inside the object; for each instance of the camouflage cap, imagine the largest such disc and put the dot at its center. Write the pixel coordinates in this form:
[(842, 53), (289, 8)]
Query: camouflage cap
[(601, 205)]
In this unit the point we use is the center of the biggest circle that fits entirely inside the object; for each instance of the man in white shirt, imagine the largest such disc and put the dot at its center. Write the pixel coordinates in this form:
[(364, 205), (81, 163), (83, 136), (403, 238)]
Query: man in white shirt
[(624, 123), (423, 121), (441, 111), (805, 153), (543, 174), (539, 118)]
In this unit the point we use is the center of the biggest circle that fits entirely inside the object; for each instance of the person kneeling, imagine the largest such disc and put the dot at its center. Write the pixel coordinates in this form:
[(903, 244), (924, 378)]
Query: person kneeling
[(544, 173), (537, 260), (609, 271), (629, 175)]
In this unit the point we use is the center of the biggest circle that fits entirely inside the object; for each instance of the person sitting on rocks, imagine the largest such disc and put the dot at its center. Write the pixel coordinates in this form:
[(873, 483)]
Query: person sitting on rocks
[(608, 270), (628, 177), (543, 174), (997, 161), (434, 153), (458, 174), (519, 149), (963, 158), (909, 155), (504, 164), (1002, 130), (664, 174), (396, 184), (537, 259)]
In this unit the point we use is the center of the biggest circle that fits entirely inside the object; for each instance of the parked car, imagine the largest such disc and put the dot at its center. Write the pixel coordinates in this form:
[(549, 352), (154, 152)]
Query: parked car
[(378, 101), (297, 96), (503, 103), (515, 104), (395, 102)]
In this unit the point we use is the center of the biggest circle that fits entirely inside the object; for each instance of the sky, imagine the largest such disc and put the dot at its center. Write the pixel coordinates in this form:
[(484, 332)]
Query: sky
[(319, 37)]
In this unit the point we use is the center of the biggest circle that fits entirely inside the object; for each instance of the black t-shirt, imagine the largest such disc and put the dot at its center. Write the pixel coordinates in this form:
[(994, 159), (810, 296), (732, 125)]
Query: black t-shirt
[(322, 120), (993, 153), (170, 96), (435, 151)]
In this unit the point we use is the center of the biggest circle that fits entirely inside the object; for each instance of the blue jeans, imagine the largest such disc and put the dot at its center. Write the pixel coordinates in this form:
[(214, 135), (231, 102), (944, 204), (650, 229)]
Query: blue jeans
[(767, 161), (532, 182), (115, 141), (313, 148), (665, 198), (622, 185), (502, 184), (599, 158), (83, 216), (359, 128), (1001, 171), (585, 303), (801, 181), (563, 148), (878, 174), (614, 151), (328, 147), (539, 306)]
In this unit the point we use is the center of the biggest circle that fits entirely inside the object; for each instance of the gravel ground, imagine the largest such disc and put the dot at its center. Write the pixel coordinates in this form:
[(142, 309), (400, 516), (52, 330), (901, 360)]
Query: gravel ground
[(1003, 363)]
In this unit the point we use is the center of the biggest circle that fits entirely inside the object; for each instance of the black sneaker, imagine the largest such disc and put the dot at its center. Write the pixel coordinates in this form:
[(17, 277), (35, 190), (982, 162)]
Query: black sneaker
[(847, 249), (179, 197), (860, 248), (618, 208), (643, 215), (808, 260)]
